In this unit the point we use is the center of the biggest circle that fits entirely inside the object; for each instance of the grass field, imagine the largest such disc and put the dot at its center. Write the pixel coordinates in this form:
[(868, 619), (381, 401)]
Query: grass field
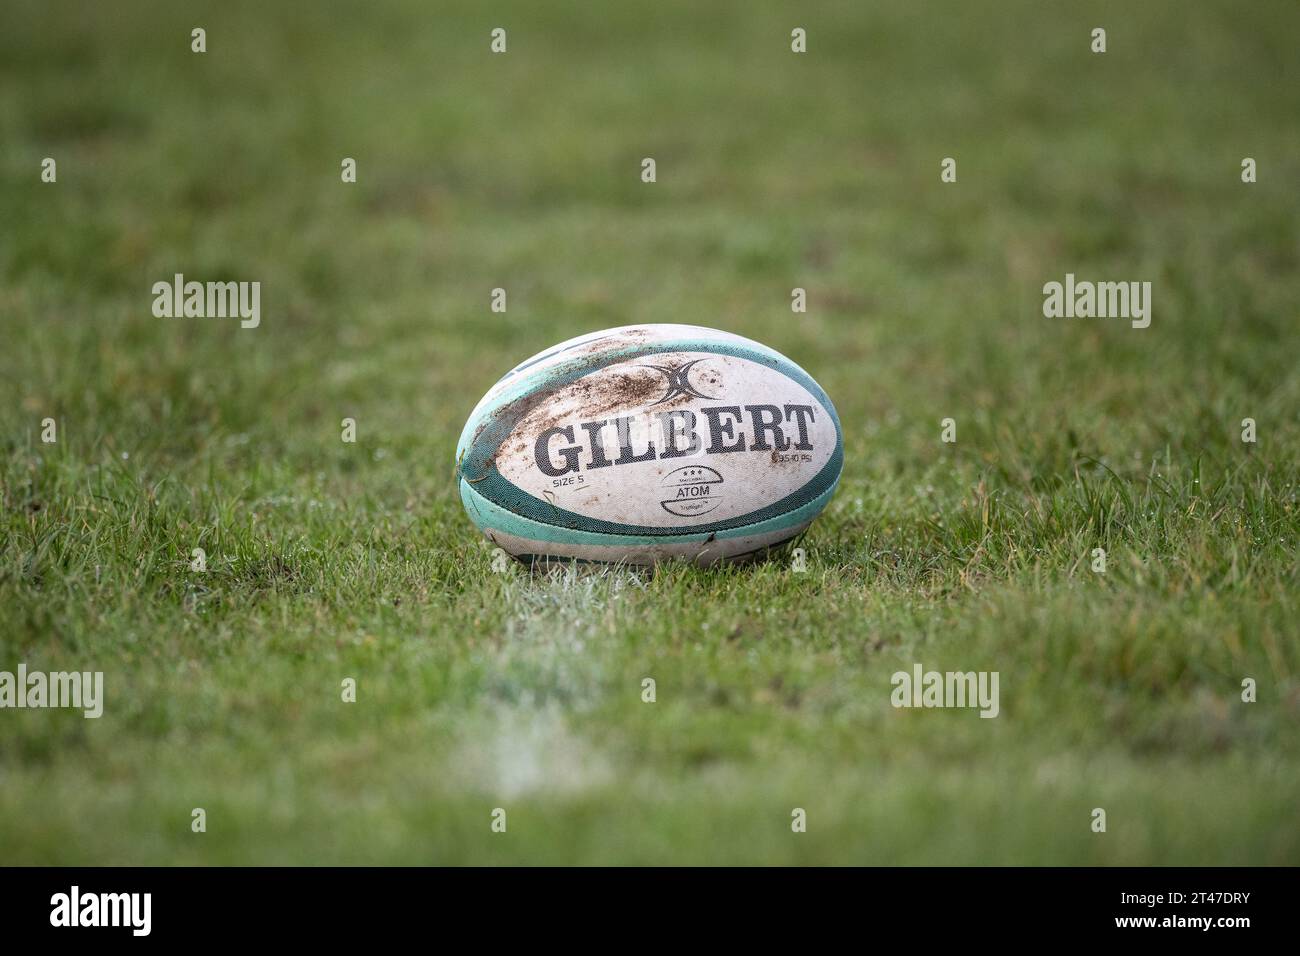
[(478, 690)]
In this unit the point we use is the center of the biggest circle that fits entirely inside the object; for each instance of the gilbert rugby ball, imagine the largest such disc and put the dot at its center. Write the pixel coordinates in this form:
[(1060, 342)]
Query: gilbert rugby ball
[(649, 442)]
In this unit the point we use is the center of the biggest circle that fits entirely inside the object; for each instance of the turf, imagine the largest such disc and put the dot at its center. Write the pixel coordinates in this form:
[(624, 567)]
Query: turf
[(477, 689)]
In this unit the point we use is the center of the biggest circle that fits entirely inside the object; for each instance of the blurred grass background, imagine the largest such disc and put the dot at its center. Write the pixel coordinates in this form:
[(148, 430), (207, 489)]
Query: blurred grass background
[(775, 170)]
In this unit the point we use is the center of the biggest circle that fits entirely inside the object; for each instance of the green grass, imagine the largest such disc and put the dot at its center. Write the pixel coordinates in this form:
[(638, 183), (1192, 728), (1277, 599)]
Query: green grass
[(479, 690)]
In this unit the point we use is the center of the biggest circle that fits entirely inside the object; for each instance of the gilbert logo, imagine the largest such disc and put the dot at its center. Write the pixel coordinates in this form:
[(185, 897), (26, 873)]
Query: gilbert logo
[(775, 429), (103, 909), (924, 688), (208, 300), (679, 382)]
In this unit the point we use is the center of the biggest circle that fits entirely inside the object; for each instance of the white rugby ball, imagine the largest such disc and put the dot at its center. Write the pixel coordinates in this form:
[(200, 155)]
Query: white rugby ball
[(649, 442)]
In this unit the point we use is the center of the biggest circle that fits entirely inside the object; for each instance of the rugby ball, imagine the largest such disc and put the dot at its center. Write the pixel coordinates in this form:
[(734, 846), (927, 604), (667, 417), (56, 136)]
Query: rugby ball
[(650, 442)]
